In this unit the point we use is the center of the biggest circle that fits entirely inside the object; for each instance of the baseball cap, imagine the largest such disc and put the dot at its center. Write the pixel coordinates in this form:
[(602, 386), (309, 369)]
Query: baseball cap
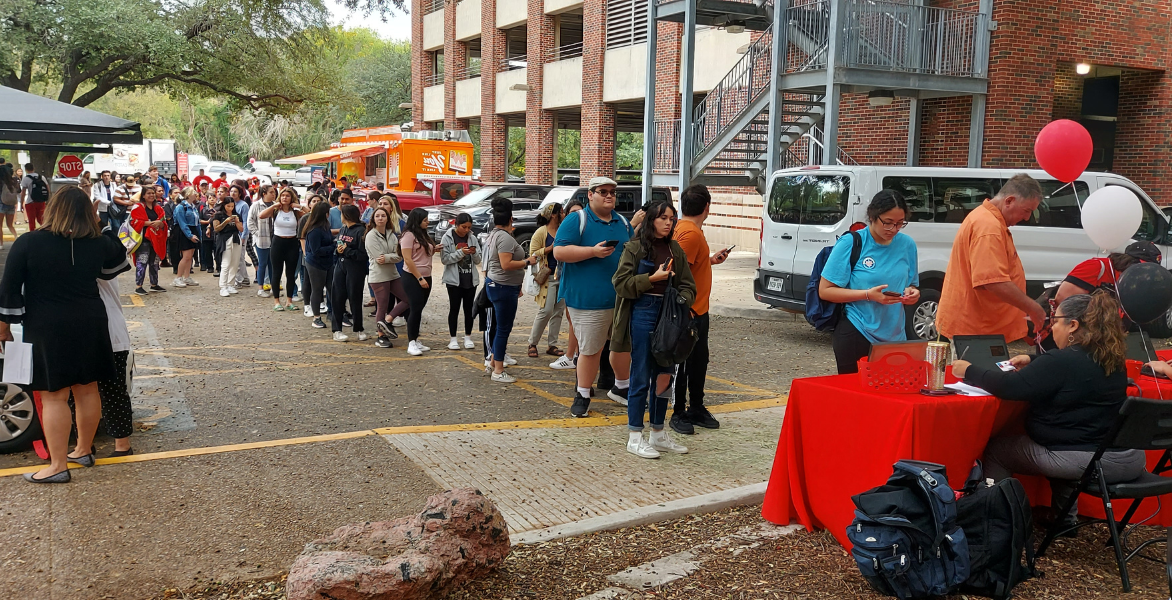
[(600, 181), (1145, 251)]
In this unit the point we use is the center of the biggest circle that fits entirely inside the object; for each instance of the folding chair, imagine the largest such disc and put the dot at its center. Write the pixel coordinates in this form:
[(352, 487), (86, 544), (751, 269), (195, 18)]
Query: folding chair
[(1142, 424)]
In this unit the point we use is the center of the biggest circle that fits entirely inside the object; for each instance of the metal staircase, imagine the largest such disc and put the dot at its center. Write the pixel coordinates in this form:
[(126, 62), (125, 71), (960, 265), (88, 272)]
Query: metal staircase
[(916, 48)]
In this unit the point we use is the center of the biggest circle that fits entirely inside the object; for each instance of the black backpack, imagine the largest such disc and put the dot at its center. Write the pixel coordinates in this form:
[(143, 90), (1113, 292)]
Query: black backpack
[(999, 526), (905, 538), (674, 335), (39, 192), (821, 314)]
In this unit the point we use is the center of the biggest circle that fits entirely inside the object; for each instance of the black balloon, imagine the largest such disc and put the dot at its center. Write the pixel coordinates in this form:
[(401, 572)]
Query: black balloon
[(1145, 292)]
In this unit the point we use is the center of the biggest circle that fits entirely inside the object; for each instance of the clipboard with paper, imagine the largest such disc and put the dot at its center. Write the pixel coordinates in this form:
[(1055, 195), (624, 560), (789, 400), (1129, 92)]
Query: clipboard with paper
[(18, 360)]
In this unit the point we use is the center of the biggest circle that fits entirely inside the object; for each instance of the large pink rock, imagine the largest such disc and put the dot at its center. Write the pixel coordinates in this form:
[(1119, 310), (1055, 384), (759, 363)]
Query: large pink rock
[(459, 536)]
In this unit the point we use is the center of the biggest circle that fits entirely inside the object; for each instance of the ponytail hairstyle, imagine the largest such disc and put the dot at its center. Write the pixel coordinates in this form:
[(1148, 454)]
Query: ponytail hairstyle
[(415, 227), (1100, 330), (502, 212)]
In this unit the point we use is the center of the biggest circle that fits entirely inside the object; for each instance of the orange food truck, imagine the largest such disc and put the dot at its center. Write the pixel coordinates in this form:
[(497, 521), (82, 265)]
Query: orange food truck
[(396, 158)]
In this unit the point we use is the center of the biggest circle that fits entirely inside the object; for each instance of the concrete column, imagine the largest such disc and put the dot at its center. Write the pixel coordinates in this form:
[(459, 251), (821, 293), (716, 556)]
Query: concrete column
[(420, 66), (649, 103), (494, 133), (540, 137), (688, 60), (455, 62), (977, 131), (915, 121), (598, 118)]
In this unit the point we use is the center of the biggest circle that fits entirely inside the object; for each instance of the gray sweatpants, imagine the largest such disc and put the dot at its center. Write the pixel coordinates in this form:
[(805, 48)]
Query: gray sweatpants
[(1005, 456), (549, 316)]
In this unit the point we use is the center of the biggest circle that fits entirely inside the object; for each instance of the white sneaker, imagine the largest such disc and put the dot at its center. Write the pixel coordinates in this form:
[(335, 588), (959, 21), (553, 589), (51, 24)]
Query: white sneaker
[(503, 377), (233, 290), (454, 344), (322, 308), (399, 322), (488, 362), (340, 337), (413, 349), (264, 294), (509, 360), (309, 311), (661, 440), (296, 298), (190, 282), (639, 447), (563, 362), (619, 398), (224, 292), (468, 343), (362, 337), (421, 347), (178, 282)]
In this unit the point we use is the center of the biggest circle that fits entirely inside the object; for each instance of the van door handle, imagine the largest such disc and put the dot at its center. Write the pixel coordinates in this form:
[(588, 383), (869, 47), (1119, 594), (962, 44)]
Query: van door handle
[(786, 236)]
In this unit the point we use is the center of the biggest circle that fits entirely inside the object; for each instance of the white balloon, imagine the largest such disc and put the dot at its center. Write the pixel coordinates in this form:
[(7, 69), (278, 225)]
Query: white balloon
[(1111, 215)]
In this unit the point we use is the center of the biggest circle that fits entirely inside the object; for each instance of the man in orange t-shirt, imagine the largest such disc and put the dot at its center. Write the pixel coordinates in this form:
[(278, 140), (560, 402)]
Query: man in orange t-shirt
[(694, 204), (984, 286)]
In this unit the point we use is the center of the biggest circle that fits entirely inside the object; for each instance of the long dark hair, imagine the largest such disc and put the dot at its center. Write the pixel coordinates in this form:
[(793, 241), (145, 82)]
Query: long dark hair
[(319, 215), (6, 178), (1100, 330), (415, 226), (350, 213), (654, 210)]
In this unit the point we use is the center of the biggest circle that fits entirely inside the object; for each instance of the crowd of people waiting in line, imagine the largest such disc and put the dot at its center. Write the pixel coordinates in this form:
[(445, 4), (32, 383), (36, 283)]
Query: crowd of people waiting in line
[(604, 274)]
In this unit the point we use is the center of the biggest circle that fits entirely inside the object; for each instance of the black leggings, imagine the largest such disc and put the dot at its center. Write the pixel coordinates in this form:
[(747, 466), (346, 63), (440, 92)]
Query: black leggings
[(317, 287), (283, 254), (457, 296), (849, 346), (417, 296), (348, 283)]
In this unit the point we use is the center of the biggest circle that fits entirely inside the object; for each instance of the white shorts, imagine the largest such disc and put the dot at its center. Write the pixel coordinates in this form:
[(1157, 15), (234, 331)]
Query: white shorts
[(592, 328)]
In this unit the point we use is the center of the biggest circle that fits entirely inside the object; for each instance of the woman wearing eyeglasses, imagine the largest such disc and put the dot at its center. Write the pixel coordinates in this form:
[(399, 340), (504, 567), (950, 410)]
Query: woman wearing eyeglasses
[(874, 289)]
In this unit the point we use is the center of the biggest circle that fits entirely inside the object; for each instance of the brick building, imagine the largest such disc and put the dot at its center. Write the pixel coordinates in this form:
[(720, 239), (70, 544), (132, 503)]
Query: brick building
[(581, 64)]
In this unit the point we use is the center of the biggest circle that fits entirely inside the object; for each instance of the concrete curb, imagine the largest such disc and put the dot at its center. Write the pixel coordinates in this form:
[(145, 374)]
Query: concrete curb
[(749, 494), (758, 314)]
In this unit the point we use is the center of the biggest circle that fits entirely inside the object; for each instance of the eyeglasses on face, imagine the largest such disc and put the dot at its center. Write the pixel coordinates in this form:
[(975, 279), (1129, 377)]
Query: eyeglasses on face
[(604, 192), (892, 225)]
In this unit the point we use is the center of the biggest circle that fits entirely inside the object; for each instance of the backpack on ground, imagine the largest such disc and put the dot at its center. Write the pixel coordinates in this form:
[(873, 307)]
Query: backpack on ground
[(674, 335), (821, 314), (39, 191), (905, 535), (999, 526)]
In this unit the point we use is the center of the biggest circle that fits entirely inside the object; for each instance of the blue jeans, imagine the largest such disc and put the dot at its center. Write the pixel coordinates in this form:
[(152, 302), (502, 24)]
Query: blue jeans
[(504, 310), (264, 269), (641, 395)]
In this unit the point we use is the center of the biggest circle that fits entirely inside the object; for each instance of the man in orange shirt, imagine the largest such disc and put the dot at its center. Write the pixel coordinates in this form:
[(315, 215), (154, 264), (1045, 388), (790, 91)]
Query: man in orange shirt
[(690, 376), (984, 287)]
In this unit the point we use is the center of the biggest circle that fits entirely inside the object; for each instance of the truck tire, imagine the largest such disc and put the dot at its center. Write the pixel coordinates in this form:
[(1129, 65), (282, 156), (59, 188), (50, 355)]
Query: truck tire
[(1160, 328), (921, 316), (524, 239), (19, 424)]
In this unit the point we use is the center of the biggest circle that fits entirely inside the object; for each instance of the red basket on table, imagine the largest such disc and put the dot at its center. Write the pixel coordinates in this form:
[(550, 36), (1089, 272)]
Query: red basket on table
[(897, 372)]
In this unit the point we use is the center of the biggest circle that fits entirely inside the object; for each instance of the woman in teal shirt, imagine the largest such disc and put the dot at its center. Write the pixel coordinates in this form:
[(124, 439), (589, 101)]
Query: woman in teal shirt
[(883, 280)]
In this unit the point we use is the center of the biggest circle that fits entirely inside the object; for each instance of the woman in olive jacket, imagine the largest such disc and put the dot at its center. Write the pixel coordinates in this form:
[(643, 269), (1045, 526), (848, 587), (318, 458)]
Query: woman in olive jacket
[(650, 263)]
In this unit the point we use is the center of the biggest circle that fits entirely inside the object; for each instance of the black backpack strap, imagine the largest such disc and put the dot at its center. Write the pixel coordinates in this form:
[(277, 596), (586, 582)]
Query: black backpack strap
[(856, 248)]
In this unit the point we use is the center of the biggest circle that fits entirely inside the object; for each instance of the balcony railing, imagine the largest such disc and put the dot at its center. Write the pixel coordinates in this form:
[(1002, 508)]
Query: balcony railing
[(514, 63), (906, 37), (564, 52), (743, 83), (468, 72), (433, 79), (667, 146), (430, 6)]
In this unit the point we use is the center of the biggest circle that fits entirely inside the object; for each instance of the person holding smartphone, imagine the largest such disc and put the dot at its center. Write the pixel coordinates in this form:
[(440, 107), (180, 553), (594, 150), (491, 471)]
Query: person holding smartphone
[(885, 277), (504, 267), (227, 225)]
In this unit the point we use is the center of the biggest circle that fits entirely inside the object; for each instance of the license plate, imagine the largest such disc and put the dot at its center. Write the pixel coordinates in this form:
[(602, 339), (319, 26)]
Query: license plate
[(774, 284)]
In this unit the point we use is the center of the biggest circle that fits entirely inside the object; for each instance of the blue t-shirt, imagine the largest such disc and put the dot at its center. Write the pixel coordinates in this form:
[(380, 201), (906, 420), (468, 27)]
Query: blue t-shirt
[(335, 218), (895, 264), (587, 285)]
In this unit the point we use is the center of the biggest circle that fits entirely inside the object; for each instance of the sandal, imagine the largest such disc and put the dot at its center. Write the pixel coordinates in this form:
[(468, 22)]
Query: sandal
[(555, 351), (532, 351)]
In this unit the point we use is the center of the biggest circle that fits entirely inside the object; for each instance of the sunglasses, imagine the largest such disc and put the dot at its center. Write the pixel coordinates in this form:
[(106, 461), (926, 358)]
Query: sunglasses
[(604, 192)]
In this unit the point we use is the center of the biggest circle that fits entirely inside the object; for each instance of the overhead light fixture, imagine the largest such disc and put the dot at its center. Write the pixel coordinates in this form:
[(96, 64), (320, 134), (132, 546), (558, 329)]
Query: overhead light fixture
[(1082, 68), (406, 105), (743, 49), (881, 98), (519, 87), (735, 27)]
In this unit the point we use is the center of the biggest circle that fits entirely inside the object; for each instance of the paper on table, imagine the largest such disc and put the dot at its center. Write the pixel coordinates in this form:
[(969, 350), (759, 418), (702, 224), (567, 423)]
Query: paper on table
[(18, 363), (965, 389)]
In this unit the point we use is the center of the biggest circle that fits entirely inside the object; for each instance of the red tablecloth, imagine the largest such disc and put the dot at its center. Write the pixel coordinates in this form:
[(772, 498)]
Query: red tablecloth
[(840, 438)]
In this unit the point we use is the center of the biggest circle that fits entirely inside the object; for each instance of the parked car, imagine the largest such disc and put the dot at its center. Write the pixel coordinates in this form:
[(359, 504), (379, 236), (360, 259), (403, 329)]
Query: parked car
[(260, 167), (478, 204), (19, 424), (808, 208), (435, 192), (302, 176), (234, 172)]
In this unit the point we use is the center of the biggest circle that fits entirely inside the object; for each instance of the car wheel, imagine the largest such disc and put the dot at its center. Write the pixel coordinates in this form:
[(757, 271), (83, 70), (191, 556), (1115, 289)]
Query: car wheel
[(1160, 328), (524, 241), (921, 316), (19, 424)]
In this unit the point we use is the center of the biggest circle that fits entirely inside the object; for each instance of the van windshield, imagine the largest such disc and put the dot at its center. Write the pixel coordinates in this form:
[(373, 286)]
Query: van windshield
[(809, 199)]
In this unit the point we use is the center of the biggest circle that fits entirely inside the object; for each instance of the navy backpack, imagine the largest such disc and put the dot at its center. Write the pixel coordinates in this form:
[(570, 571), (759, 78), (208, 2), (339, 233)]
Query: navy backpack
[(821, 314), (905, 535)]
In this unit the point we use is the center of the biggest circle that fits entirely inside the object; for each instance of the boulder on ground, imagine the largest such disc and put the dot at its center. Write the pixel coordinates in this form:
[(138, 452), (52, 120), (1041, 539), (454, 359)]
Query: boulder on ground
[(460, 535)]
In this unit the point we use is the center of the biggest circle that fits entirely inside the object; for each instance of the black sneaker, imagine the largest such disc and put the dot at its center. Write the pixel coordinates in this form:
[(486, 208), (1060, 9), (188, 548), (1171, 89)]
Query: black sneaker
[(347, 322), (700, 416), (387, 329), (580, 406), (318, 323), (158, 288), (141, 292), (383, 342), (679, 424), (245, 283)]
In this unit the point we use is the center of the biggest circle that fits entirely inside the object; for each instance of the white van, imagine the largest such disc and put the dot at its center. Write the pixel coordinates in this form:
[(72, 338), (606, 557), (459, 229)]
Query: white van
[(808, 208)]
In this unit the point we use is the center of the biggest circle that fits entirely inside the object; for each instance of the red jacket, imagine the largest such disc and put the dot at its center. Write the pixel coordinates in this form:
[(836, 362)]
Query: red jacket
[(157, 237)]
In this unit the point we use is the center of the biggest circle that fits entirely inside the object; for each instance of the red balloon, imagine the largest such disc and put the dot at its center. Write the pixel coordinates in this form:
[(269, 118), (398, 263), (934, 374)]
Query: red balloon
[(1063, 148)]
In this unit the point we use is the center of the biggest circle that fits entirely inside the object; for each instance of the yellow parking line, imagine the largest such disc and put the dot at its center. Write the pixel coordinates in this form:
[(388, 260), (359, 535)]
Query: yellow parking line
[(135, 300)]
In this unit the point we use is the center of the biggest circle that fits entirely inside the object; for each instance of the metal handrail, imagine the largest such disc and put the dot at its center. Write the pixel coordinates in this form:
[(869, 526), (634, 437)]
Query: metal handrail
[(747, 80), (667, 143), (468, 72), (433, 79), (883, 34), (814, 137), (431, 6), (514, 63), (564, 52)]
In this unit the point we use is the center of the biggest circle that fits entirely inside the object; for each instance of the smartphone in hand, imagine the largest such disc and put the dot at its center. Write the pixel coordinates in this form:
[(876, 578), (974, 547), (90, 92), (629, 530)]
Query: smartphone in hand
[(610, 243), (892, 294)]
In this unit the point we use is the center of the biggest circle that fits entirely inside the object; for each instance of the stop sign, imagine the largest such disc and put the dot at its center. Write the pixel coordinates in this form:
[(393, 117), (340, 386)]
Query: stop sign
[(69, 166)]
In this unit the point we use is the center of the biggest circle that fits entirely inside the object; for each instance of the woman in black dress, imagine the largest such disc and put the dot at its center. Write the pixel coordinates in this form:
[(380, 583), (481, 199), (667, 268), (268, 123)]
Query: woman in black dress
[(50, 287)]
